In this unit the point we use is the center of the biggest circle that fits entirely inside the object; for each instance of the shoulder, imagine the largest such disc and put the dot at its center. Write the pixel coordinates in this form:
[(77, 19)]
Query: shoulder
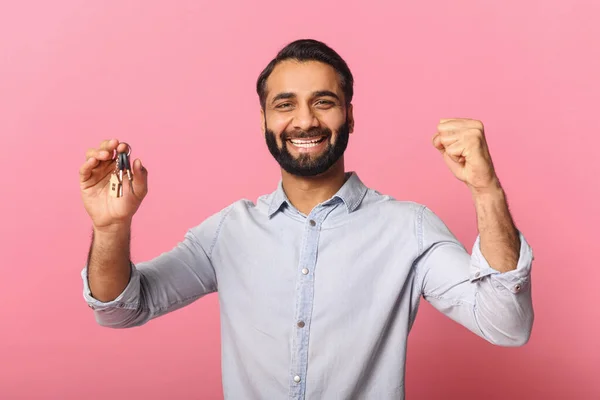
[(208, 230), (390, 206), (404, 215), (410, 212)]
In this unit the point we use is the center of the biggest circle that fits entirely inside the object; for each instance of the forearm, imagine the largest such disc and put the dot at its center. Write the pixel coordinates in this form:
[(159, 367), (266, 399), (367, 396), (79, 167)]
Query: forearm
[(499, 238), (496, 306), (109, 262)]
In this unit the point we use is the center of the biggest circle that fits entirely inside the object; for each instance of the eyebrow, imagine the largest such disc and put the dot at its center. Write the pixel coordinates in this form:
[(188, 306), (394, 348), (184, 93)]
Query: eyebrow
[(326, 93), (318, 93)]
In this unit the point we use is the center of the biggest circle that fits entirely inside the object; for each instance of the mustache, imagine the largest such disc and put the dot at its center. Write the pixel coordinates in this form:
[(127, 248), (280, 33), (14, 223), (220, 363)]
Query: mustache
[(299, 134)]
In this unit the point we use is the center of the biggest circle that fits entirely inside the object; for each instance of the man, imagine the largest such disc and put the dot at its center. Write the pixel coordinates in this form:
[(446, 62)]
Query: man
[(319, 282)]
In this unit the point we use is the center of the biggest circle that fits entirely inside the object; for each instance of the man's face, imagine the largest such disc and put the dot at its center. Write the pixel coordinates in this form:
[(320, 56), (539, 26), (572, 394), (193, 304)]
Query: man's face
[(305, 120)]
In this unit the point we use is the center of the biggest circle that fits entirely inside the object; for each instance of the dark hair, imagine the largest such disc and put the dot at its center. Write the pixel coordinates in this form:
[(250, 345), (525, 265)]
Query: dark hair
[(308, 50)]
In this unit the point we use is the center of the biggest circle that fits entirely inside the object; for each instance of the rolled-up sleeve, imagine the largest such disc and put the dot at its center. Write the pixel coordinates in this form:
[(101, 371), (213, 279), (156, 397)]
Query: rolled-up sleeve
[(165, 283), (515, 280), (129, 298), (495, 305)]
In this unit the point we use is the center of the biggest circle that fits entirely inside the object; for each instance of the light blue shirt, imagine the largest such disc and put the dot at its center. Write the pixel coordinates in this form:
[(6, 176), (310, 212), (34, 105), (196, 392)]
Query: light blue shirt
[(320, 306)]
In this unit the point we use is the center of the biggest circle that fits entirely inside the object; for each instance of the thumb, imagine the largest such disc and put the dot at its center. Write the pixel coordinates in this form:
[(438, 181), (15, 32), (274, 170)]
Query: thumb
[(456, 152), (140, 179)]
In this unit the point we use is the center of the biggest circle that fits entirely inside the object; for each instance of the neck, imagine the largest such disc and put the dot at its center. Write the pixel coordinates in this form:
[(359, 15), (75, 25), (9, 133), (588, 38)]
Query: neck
[(305, 192)]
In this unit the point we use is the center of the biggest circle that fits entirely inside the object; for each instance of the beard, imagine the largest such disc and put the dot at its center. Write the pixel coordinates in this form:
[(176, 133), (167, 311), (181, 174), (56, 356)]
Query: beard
[(306, 164)]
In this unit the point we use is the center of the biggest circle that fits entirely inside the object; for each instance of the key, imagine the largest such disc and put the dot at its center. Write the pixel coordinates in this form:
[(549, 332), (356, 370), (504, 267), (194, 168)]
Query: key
[(116, 185), (127, 166), (124, 164), (121, 165), (116, 180)]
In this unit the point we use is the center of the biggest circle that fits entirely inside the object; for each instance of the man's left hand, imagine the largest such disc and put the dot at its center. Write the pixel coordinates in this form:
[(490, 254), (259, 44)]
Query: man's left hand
[(462, 144)]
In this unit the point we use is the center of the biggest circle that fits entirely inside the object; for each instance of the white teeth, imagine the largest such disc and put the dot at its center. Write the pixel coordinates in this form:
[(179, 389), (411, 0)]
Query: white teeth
[(306, 143)]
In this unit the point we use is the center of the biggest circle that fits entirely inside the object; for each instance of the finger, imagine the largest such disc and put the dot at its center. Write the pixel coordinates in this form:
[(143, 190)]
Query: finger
[(437, 142), (449, 139), (448, 124), (109, 145), (466, 120), (123, 147), (459, 123), (94, 170), (450, 127), (85, 172), (444, 120), (473, 133), (102, 155), (104, 152)]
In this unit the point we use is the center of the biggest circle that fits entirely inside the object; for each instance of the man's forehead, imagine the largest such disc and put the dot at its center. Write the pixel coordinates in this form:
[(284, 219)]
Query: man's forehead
[(302, 77)]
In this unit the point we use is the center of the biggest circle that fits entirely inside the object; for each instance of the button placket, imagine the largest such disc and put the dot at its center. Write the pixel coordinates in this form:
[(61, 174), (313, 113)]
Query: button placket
[(304, 306)]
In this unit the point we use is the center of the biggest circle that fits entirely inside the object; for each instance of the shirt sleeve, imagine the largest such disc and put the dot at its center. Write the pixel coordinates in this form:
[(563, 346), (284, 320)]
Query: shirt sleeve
[(165, 283), (496, 306)]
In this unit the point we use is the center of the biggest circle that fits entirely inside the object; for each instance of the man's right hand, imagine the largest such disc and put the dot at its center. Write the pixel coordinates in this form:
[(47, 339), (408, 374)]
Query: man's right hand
[(109, 213)]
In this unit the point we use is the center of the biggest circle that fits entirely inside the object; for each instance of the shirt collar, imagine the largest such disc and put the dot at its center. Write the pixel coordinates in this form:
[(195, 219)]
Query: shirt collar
[(351, 193)]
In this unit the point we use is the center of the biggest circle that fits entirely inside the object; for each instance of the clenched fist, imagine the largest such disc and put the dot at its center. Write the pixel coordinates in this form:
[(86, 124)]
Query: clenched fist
[(108, 212), (462, 144)]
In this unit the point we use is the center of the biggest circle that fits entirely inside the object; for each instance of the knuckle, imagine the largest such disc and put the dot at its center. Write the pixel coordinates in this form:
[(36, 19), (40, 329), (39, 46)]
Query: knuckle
[(477, 139), (476, 125)]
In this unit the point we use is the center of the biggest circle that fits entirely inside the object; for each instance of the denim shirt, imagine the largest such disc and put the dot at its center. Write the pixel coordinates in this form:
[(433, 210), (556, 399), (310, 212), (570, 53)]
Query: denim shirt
[(320, 306)]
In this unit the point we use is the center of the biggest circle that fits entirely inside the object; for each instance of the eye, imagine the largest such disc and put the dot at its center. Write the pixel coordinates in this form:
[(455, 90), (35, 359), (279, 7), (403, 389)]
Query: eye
[(283, 106), (324, 103)]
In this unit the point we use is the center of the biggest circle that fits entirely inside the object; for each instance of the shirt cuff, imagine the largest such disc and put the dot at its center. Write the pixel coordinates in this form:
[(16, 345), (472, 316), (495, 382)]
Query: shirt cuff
[(514, 280), (127, 298)]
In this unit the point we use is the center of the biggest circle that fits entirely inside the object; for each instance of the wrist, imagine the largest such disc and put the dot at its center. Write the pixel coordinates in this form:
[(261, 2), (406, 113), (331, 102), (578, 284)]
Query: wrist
[(491, 191), (112, 229)]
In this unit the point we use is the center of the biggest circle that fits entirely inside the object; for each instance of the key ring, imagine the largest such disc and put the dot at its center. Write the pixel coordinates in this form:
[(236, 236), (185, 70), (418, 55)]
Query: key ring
[(128, 151)]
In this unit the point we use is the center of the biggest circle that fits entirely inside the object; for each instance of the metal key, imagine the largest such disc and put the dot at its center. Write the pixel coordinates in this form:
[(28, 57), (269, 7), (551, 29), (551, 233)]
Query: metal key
[(126, 166), (116, 179)]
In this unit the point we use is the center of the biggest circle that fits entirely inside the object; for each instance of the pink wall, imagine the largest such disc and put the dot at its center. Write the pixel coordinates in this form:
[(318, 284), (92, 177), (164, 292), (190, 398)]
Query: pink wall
[(176, 81)]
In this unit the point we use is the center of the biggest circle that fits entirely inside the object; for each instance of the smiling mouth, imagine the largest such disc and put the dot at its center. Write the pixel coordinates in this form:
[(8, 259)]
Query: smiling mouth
[(308, 142)]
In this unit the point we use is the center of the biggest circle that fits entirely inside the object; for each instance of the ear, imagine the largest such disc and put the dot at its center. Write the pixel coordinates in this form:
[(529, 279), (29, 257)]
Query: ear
[(350, 117), (262, 121)]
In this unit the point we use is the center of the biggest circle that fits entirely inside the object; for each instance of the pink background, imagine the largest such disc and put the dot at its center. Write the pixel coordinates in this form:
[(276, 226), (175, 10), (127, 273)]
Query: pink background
[(176, 81)]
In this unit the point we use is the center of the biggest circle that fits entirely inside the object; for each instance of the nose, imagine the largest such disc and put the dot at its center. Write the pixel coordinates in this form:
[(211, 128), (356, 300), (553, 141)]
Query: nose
[(304, 118)]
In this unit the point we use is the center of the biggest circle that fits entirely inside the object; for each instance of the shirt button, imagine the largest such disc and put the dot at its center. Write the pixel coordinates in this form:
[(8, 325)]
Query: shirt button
[(296, 379), (517, 288), (305, 271), (300, 324), (477, 274), (312, 222)]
